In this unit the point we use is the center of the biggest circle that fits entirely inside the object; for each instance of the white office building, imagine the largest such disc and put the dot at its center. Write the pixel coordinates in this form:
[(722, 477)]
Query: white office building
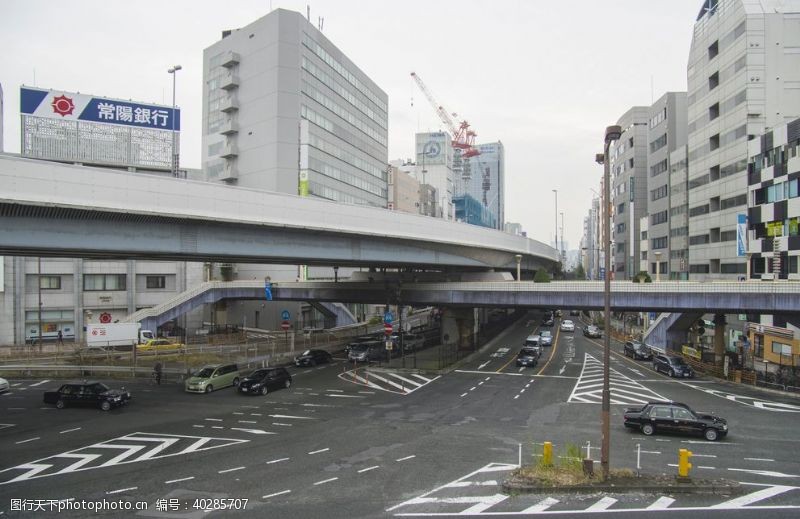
[(743, 77)]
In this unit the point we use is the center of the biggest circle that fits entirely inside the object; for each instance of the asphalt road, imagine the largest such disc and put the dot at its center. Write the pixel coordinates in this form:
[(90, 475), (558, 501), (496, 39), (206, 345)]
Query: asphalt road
[(391, 444)]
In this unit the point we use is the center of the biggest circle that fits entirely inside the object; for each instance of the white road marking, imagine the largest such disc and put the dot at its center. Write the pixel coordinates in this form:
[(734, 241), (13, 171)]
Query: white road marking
[(708, 443), (706, 467), (602, 504), (213, 419), (369, 468), (70, 430), (345, 396), (484, 364), (759, 459), (472, 388), (769, 473), (276, 494), (247, 421), (487, 379), (661, 503), (277, 460), (290, 416), (541, 506), (562, 370), (703, 455), (282, 424), (320, 450), (39, 383), (229, 470), (325, 481), (480, 383), (485, 504), (753, 497), (516, 396), (252, 431), (406, 458), (255, 414), (217, 427), (335, 390), (660, 440), (463, 394), (199, 426), (624, 390), (28, 440), (178, 480), (121, 490), (366, 392), (462, 484), (236, 412)]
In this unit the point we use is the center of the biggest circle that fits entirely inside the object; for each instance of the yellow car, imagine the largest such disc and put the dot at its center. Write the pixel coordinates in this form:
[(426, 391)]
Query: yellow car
[(160, 345)]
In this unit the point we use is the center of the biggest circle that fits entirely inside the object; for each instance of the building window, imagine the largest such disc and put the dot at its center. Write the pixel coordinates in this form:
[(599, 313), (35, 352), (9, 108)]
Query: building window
[(621, 208), (50, 282), (713, 81), (154, 282), (620, 228), (700, 239), (733, 202), (779, 348), (660, 243), (713, 50), (698, 269), (620, 247), (658, 168), (699, 210), (713, 111), (713, 142), (644, 235), (95, 282), (659, 192), (733, 268), (660, 217), (658, 143)]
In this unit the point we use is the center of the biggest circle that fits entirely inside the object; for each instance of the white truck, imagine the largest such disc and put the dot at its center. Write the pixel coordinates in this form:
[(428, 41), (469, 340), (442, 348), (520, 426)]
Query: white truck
[(116, 334)]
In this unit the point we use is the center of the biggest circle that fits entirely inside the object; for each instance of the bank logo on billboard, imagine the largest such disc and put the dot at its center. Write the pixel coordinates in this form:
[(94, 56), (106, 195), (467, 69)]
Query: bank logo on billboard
[(67, 105)]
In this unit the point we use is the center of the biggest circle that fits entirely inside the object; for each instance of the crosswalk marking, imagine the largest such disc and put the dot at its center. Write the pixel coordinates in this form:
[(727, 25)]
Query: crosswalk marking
[(661, 503), (624, 390), (385, 380), (603, 504), (541, 506), (753, 497), (758, 403), (97, 455)]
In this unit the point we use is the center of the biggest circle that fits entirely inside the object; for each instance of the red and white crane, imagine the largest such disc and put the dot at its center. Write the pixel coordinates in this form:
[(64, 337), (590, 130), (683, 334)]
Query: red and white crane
[(463, 137)]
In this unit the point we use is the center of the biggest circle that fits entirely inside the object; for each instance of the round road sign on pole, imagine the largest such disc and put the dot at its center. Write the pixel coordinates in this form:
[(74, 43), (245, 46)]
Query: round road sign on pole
[(285, 325), (387, 328)]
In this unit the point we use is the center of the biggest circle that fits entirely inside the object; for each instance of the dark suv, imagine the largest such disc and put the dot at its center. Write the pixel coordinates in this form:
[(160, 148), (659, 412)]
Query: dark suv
[(528, 357), (637, 350), (312, 358), (93, 394), (262, 380), (674, 417), (368, 351), (672, 366)]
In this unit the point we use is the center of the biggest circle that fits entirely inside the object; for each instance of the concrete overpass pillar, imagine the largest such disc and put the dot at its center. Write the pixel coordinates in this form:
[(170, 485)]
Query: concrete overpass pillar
[(458, 328), (719, 338)]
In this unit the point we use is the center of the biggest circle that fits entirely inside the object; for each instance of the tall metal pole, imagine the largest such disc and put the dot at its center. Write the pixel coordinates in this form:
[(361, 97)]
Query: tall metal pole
[(39, 282), (555, 236), (612, 134), (174, 166)]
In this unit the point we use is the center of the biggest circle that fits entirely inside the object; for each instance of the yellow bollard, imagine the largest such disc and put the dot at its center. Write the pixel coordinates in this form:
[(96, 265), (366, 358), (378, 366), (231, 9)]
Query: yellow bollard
[(547, 454), (683, 463)]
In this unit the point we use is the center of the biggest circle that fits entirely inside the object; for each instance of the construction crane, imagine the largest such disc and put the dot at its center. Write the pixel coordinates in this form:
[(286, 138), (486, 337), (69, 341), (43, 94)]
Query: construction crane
[(463, 137)]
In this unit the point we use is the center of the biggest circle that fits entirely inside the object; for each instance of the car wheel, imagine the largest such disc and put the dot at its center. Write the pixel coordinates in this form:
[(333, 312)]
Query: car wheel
[(236, 382), (288, 383), (648, 429), (264, 390), (106, 405), (209, 388), (671, 373), (711, 434), (60, 404)]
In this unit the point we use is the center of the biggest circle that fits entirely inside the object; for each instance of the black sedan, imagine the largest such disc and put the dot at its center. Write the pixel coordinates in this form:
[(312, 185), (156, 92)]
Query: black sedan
[(674, 417), (91, 394), (637, 350), (261, 381), (312, 358), (528, 357)]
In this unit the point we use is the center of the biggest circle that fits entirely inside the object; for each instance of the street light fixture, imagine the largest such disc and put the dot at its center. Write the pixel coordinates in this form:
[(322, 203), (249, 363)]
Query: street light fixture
[(174, 167), (613, 133)]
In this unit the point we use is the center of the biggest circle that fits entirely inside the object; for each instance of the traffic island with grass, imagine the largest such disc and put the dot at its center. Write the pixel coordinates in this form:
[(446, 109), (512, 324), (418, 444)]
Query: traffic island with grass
[(567, 474)]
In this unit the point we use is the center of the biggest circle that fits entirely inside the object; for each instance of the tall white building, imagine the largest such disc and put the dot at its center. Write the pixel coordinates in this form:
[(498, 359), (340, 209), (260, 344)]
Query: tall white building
[(484, 179), (743, 77), (435, 167), (285, 110)]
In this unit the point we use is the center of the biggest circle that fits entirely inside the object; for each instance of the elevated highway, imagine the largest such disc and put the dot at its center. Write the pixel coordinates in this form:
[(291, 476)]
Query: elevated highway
[(51, 209)]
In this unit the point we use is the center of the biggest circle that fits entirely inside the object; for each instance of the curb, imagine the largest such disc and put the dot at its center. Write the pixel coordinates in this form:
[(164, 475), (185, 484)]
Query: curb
[(698, 487)]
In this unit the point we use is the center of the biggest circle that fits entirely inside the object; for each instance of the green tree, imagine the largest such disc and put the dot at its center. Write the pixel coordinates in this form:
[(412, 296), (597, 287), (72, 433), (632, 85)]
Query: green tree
[(580, 274), (541, 276), (642, 277)]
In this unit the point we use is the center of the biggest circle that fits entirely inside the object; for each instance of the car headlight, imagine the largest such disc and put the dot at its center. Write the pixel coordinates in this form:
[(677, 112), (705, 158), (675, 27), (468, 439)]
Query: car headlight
[(256, 385)]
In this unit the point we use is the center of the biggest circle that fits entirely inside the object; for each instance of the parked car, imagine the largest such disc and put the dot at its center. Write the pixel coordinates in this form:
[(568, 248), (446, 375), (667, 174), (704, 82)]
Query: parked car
[(213, 377), (261, 381), (592, 331), (528, 357), (92, 394), (547, 321), (546, 338), (368, 352), (672, 366), (312, 358), (411, 342), (4, 385), (160, 345), (674, 417), (567, 326), (359, 340), (636, 350)]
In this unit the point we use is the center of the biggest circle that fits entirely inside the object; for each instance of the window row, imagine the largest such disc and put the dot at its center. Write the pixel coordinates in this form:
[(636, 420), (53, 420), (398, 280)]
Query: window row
[(658, 168), (658, 143), (776, 192), (348, 178), (659, 217), (659, 243), (659, 192), (659, 118), (774, 157), (342, 71), (333, 106), (787, 227), (700, 239)]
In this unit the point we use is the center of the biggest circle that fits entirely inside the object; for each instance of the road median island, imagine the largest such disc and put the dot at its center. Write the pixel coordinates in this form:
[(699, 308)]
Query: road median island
[(620, 481)]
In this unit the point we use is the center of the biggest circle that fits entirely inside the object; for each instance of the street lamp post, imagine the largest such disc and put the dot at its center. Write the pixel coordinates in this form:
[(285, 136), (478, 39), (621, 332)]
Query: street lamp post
[(555, 236), (658, 266), (174, 71), (612, 134), (518, 257)]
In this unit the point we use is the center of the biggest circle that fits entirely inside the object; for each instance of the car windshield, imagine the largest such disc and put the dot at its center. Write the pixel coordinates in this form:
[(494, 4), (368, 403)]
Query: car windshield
[(204, 373), (568, 322), (638, 346), (677, 361), (259, 373), (527, 351), (546, 334), (359, 347)]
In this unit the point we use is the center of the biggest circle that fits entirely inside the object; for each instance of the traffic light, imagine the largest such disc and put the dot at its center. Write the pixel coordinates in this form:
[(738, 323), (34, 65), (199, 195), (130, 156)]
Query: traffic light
[(683, 463), (701, 327)]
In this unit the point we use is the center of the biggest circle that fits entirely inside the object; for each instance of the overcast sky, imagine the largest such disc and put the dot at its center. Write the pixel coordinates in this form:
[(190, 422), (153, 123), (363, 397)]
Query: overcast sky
[(544, 77)]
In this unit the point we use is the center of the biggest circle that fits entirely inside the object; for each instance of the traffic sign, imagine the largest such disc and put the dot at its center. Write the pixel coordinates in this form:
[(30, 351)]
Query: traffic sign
[(387, 328), (389, 346), (285, 315), (285, 325), (388, 317)]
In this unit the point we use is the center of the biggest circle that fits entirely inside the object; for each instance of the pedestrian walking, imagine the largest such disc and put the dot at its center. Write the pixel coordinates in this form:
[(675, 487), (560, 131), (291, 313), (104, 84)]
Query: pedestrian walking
[(60, 338), (157, 373)]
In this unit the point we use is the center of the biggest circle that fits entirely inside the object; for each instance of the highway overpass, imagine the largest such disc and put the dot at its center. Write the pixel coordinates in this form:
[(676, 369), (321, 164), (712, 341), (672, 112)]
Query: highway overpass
[(62, 210)]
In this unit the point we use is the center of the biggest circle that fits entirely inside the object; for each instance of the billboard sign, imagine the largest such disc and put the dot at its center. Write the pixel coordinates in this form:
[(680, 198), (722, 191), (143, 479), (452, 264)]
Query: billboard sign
[(741, 235), (57, 104), (432, 148)]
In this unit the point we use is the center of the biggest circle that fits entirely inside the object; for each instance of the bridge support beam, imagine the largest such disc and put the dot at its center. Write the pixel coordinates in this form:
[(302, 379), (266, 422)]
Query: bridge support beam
[(459, 328), (719, 338)]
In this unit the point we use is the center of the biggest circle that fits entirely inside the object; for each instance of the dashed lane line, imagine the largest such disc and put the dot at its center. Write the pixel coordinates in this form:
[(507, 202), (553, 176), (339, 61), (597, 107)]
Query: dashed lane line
[(230, 470), (276, 494), (118, 491), (28, 440), (368, 469), (325, 481), (178, 480), (406, 458), (320, 451), (277, 461), (70, 430)]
